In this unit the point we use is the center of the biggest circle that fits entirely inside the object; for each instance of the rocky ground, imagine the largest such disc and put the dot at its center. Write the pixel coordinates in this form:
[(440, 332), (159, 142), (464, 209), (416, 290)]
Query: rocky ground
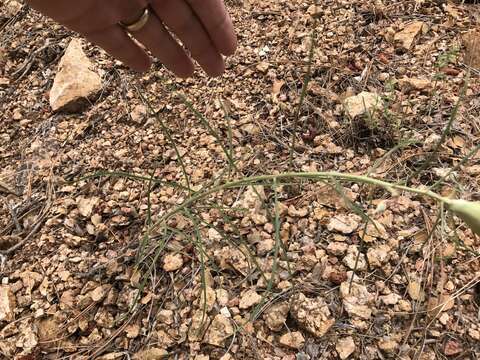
[(109, 252)]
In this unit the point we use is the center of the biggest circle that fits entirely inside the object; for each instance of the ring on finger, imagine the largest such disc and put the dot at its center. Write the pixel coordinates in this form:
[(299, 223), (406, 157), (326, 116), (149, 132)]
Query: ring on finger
[(137, 24)]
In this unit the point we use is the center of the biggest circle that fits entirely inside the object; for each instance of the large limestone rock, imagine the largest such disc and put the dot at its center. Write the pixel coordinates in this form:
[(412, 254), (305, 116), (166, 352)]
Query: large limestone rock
[(363, 103), (75, 84)]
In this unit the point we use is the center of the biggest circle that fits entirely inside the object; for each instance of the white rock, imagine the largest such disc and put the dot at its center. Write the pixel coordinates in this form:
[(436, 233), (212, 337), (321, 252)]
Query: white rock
[(99, 292), (276, 316), (294, 212), (151, 354), (219, 330), (311, 314), (431, 141), (265, 246), (139, 113), (293, 340), (378, 256), (356, 298), (249, 299), (337, 248), (172, 262), (345, 347), (198, 326), (75, 83), (354, 260), (363, 103), (345, 224), (415, 84), (12, 7), (263, 67), (7, 304), (390, 299), (85, 205), (415, 291), (225, 312), (410, 32), (210, 295), (202, 357), (388, 345)]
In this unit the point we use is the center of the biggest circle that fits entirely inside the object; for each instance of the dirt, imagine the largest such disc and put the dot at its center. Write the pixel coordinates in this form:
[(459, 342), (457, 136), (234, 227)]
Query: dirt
[(111, 248)]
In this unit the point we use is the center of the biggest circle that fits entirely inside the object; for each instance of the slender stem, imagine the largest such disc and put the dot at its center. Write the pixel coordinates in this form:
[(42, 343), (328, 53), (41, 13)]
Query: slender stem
[(303, 94), (168, 134), (461, 163), (303, 175), (210, 129), (446, 132)]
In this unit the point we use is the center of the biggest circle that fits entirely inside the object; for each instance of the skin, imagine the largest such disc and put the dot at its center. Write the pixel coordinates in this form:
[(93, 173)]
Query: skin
[(203, 26)]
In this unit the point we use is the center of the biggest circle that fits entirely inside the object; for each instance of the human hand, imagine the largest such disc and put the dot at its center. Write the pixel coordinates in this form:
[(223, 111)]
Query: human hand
[(203, 26)]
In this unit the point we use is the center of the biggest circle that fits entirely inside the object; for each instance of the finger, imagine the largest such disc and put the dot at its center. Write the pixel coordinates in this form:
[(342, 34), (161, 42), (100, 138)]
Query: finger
[(127, 11), (181, 20), (92, 15), (217, 22), (159, 41), (117, 43)]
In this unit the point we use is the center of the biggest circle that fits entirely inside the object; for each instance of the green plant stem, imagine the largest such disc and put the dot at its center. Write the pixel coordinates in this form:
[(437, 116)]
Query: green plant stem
[(303, 175)]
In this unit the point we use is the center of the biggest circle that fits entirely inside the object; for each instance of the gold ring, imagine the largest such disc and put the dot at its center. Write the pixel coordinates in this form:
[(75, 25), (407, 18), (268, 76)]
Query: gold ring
[(137, 24)]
